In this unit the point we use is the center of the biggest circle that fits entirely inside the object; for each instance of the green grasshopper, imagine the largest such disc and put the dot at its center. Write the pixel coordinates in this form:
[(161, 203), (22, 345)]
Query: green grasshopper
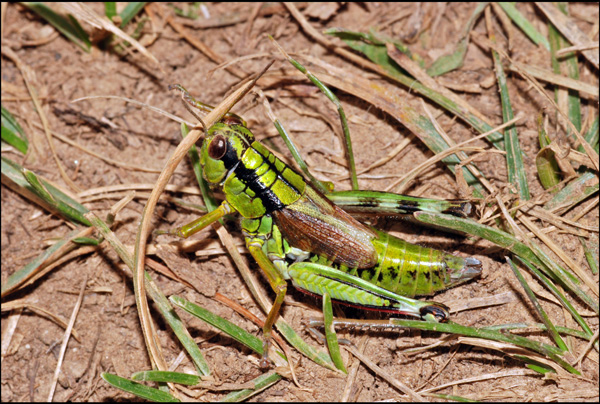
[(294, 232)]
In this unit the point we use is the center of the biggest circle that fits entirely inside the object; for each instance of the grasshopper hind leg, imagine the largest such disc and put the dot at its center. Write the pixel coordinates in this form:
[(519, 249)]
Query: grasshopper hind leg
[(317, 279)]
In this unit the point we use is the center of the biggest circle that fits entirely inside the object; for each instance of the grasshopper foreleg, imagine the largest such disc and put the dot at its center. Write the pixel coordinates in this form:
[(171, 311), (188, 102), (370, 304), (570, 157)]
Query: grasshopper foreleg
[(257, 233), (195, 226)]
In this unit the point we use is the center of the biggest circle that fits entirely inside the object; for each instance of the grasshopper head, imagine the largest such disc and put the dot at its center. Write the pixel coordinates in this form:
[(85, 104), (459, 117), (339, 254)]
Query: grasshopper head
[(222, 150)]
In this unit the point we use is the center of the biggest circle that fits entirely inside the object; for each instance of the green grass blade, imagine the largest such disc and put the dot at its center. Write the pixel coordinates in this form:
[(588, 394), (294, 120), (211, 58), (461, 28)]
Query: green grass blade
[(66, 206), (50, 198), (43, 193), (325, 187), (564, 277), (429, 135), (190, 10), (447, 63), (235, 332), (562, 330), (514, 155), (177, 325), (330, 335), (547, 168), (452, 328), (373, 38), (37, 186), (534, 365), (453, 61), (545, 161), (110, 9), (569, 61), (451, 397), (560, 296), (386, 203), (130, 11), (377, 53), (68, 26), (86, 241), (12, 132), (591, 254), (591, 135), (260, 383), (543, 138), (250, 340), (575, 192), (523, 23), (21, 275), (319, 357), (538, 307), (333, 98), (166, 377), (138, 389)]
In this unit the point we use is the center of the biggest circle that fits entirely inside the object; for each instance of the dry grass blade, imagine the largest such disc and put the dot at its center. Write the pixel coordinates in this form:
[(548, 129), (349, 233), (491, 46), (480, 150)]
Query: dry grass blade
[(592, 284), (79, 252), (489, 376), (403, 182), (560, 221), (569, 29), (9, 331), (470, 304), (545, 75), (98, 155), (351, 377), (138, 103), (137, 187), (63, 347), (24, 304), (413, 68), (207, 51), (386, 100), (84, 13), (589, 346), (385, 375), (465, 109), (586, 210), (63, 252), (565, 51), (393, 153)]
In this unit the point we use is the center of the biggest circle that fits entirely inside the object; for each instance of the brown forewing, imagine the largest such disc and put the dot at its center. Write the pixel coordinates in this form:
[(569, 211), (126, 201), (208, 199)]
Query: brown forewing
[(315, 224)]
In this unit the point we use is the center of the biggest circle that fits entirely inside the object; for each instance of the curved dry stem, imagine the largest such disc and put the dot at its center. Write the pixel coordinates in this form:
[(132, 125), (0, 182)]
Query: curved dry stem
[(144, 228)]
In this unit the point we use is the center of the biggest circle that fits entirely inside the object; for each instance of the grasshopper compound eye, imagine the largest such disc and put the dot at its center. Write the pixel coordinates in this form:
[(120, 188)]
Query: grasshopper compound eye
[(217, 147)]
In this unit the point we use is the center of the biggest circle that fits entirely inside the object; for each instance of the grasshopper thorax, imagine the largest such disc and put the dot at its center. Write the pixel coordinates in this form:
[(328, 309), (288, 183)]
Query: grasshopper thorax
[(254, 181)]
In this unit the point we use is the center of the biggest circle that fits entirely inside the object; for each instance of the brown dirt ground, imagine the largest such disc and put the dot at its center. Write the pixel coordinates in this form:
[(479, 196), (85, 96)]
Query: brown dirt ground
[(111, 338)]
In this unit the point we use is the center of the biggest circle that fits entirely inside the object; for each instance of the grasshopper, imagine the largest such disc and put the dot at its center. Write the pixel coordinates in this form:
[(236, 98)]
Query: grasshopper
[(294, 232)]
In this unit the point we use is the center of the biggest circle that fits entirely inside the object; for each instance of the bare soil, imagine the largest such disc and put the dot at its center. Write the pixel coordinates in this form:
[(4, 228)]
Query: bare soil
[(107, 324)]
